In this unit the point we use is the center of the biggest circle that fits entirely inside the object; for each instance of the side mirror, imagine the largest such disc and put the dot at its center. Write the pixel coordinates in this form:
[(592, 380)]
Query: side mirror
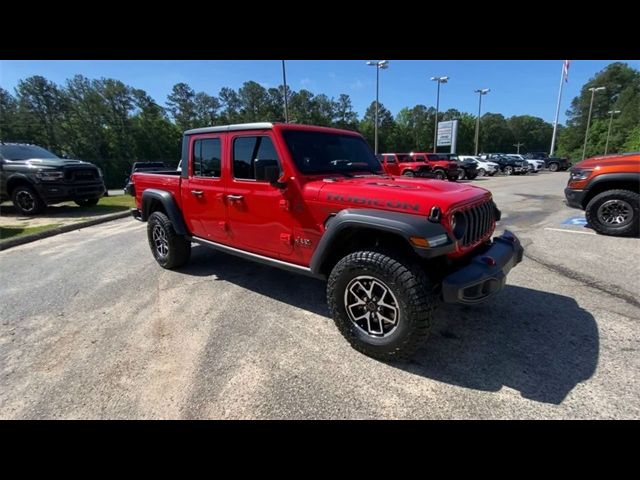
[(272, 175)]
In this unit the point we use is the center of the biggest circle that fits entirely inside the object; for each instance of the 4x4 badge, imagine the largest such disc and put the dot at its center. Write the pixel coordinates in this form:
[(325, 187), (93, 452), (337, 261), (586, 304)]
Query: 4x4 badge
[(302, 242)]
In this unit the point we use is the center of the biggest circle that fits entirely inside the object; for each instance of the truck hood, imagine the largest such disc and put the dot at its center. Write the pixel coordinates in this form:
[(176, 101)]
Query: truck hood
[(631, 162), (408, 195), (50, 162)]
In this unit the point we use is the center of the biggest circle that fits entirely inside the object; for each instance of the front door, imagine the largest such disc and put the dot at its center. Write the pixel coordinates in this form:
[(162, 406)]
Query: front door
[(258, 213), (203, 191), (391, 165)]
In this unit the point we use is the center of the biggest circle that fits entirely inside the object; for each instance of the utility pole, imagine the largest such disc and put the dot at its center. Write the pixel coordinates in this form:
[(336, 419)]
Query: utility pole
[(518, 145), (286, 104)]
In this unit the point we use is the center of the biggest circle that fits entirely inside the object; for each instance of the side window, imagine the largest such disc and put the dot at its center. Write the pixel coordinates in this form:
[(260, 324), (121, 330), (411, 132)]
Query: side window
[(391, 159), (420, 158), (206, 157), (252, 156)]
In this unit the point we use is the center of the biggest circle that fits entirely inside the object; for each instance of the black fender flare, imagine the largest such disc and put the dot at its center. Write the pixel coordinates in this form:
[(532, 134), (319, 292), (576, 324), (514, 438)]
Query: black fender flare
[(402, 224), (170, 207), (615, 177), (20, 178)]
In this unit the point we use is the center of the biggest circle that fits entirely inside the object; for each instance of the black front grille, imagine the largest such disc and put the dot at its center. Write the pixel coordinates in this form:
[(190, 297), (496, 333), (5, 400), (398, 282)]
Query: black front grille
[(480, 220), (81, 175)]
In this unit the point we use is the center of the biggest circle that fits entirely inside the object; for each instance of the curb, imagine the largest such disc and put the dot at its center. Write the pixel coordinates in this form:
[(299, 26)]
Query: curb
[(14, 242)]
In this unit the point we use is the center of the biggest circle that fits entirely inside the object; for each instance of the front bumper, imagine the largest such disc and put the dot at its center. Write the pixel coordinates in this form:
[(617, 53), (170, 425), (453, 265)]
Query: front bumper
[(52, 192), (486, 274), (574, 197)]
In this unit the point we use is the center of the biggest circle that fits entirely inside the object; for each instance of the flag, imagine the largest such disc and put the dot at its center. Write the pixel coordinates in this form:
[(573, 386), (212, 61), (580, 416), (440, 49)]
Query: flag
[(565, 70)]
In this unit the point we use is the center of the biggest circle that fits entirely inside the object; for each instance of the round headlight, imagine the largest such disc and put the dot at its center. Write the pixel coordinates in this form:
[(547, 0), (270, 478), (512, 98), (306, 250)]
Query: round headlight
[(458, 225)]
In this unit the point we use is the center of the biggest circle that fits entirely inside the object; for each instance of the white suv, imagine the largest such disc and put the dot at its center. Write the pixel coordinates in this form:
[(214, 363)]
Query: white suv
[(484, 167), (536, 164)]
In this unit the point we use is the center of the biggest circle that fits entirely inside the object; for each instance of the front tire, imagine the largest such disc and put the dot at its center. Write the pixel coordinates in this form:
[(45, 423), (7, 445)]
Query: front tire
[(508, 170), (381, 303), (168, 248), (26, 200), (408, 173), (439, 173), (615, 212), (481, 172), (553, 167)]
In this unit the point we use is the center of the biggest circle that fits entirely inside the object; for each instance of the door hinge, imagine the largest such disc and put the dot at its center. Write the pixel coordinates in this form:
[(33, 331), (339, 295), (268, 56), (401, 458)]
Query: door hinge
[(284, 205)]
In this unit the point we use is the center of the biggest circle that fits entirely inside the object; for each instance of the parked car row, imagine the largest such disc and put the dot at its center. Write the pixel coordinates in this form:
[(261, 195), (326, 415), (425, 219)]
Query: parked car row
[(452, 167)]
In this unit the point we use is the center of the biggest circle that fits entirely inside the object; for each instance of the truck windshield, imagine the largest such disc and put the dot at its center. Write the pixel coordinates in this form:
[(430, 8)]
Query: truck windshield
[(324, 152), (24, 152)]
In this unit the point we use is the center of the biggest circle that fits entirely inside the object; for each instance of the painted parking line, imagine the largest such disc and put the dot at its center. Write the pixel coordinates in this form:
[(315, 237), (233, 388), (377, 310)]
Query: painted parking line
[(569, 231)]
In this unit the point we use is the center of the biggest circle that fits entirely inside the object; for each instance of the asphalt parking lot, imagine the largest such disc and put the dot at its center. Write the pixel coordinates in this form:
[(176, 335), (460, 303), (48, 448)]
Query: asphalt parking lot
[(92, 327)]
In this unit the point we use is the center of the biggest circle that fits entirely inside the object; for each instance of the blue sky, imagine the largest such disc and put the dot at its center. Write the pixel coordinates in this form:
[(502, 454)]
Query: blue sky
[(518, 87)]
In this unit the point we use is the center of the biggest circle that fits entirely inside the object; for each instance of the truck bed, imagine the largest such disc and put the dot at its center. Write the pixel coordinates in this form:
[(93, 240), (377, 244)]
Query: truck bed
[(168, 180)]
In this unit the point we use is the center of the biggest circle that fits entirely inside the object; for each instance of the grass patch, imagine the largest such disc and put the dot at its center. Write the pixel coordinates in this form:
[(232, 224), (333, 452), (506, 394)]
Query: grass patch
[(11, 231), (106, 205)]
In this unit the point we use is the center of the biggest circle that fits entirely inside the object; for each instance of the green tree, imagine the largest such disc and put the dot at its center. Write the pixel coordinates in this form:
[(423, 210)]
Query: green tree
[(181, 104), (622, 92), (534, 132), (495, 135), (8, 113), (385, 127), (345, 117), (40, 105), (206, 109), (633, 141)]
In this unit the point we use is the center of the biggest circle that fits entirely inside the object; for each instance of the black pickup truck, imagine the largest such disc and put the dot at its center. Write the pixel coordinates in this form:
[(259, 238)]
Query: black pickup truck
[(33, 178)]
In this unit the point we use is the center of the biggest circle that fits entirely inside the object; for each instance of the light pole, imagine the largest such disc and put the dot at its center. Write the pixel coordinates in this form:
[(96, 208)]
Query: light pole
[(612, 113), (480, 92), (382, 64), (286, 105), (593, 91), (435, 130)]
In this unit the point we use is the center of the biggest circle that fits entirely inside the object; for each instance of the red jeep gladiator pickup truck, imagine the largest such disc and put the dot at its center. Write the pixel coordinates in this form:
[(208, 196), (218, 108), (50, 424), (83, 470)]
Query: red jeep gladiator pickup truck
[(315, 200)]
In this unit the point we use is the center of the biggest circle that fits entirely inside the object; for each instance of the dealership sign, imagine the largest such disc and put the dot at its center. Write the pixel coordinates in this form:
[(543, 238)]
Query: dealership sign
[(447, 134)]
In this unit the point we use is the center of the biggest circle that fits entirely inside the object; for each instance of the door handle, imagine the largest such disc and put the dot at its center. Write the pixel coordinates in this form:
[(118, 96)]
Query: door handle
[(197, 193), (235, 198)]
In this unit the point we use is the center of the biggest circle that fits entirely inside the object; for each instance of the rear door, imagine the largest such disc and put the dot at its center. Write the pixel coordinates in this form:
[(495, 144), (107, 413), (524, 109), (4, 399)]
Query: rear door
[(203, 191), (259, 219)]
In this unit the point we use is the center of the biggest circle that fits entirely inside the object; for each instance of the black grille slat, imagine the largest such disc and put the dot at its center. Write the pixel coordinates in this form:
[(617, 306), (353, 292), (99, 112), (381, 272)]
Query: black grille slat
[(479, 222)]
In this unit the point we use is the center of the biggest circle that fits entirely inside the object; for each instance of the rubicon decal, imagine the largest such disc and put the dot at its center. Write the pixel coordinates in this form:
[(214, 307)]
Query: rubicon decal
[(373, 202)]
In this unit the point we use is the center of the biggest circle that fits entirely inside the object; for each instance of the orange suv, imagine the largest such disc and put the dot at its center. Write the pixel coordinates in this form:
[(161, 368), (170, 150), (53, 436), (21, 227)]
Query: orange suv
[(608, 190)]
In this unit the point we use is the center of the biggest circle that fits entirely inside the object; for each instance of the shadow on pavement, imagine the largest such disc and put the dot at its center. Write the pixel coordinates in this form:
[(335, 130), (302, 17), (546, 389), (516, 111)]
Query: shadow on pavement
[(538, 343)]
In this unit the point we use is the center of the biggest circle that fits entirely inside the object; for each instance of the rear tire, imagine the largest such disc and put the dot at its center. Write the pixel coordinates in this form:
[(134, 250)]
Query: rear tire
[(553, 167), (367, 289), (462, 174), (408, 173), (168, 248), (26, 200), (508, 170), (481, 172), (615, 212)]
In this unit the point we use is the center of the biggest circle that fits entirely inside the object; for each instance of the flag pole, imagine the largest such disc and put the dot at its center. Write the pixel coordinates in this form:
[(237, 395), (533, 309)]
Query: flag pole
[(555, 123)]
